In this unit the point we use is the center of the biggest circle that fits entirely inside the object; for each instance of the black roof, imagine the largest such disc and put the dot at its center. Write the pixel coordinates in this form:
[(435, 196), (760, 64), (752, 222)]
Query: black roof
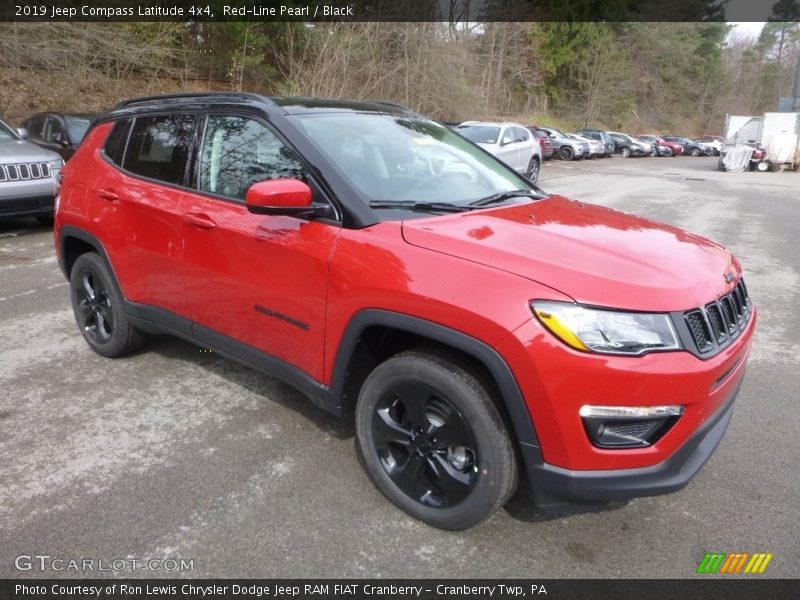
[(284, 104)]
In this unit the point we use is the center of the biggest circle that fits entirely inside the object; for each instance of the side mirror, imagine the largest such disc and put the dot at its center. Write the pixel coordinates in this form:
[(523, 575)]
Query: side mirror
[(22, 132), (279, 197)]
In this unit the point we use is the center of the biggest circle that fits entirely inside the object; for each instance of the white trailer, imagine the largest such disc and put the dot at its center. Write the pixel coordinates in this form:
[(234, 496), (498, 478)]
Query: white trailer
[(780, 137)]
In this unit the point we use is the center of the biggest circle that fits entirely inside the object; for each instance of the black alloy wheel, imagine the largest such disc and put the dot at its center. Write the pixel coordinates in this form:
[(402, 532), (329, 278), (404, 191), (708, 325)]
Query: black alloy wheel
[(93, 309), (97, 305), (425, 445), (433, 440), (566, 153)]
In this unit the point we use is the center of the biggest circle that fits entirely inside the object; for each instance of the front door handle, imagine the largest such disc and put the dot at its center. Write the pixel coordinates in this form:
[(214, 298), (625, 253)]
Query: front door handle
[(199, 220), (108, 194)]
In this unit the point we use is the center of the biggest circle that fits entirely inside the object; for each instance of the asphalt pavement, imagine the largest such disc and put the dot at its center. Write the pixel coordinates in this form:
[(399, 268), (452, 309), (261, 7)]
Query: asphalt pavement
[(178, 454)]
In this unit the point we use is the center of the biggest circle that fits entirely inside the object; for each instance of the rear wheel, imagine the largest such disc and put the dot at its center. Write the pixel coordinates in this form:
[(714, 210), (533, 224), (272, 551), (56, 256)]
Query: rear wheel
[(433, 441), (97, 306), (763, 166), (695, 152), (567, 153)]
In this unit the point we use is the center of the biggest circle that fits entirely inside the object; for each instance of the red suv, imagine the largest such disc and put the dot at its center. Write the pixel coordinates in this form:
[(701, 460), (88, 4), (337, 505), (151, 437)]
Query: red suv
[(481, 332)]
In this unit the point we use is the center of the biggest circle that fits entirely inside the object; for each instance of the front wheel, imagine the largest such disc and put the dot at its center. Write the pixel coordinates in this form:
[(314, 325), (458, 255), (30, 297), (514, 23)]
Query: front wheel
[(567, 153), (626, 153), (433, 441), (533, 170), (97, 306), (695, 152)]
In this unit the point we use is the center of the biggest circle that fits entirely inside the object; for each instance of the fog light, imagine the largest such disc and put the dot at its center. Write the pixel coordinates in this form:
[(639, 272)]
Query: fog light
[(628, 426)]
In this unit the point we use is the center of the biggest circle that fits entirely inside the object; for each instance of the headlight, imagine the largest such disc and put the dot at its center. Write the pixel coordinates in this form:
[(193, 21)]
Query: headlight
[(607, 331), (55, 165)]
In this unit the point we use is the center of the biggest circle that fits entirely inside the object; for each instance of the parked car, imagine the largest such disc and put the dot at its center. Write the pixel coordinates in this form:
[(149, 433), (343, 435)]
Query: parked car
[(59, 132), (27, 177), (598, 134), (658, 148), (676, 148), (596, 147), (689, 146), (510, 142), (477, 330), (564, 146), (715, 141), (544, 142), (627, 146)]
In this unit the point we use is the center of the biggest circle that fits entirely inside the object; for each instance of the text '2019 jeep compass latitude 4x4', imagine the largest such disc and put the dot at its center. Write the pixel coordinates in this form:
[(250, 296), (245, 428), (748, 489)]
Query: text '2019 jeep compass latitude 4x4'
[(480, 330)]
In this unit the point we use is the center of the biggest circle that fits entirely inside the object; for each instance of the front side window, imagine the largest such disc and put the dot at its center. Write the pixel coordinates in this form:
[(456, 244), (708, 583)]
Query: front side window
[(159, 147), (238, 152), (77, 128), (53, 131)]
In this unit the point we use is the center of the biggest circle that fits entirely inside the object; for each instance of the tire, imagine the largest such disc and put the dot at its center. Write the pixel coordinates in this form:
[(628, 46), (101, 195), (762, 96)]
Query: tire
[(97, 306), (534, 166), (695, 152), (626, 152), (566, 153), (47, 221), (408, 409), (763, 166)]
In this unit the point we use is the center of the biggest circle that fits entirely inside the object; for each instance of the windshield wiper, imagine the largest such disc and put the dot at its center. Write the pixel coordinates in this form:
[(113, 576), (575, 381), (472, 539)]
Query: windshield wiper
[(420, 206), (502, 196)]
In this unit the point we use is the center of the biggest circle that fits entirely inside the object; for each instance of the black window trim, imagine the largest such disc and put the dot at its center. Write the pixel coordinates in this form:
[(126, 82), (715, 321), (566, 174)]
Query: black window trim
[(193, 183), (192, 171), (181, 187)]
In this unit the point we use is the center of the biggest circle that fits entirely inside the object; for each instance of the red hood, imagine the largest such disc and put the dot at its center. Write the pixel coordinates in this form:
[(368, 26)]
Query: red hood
[(593, 254)]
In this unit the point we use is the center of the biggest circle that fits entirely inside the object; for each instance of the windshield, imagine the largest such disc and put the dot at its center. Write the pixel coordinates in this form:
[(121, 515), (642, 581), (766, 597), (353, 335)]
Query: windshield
[(6, 133), (480, 134), (408, 159), (77, 127)]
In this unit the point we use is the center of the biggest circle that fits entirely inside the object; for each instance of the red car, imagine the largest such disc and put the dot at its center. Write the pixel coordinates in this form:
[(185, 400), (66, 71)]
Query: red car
[(677, 149), (544, 142), (479, 331)]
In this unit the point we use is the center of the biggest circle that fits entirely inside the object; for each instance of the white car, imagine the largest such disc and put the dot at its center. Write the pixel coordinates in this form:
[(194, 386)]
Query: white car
[(512, 143), (596, 147)]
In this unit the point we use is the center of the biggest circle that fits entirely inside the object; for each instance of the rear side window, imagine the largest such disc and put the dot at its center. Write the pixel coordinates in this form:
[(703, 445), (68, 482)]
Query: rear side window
[(238, 152), (159, 147), (115, 143)]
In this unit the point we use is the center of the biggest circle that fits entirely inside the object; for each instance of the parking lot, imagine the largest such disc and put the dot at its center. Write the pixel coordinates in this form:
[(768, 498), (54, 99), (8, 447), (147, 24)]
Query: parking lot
[(179, 453)]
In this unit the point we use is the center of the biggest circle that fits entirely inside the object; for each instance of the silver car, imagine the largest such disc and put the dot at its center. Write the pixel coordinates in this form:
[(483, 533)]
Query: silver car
[(27, 177)]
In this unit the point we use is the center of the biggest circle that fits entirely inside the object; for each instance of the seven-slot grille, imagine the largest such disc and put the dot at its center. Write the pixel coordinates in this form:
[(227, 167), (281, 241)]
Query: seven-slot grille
[(24, 171), (717, 323)]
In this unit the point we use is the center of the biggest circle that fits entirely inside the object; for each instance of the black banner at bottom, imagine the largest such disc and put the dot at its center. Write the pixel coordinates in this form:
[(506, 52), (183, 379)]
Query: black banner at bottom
[(398, 589)]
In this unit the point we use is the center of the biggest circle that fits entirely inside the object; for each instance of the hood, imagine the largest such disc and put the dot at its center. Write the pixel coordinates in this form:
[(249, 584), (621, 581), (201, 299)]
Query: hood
[(19, 151), (593, 254)]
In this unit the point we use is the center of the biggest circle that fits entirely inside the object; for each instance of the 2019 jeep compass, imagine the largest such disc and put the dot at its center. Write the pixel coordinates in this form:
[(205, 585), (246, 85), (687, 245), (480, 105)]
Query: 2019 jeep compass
[(480, 330)]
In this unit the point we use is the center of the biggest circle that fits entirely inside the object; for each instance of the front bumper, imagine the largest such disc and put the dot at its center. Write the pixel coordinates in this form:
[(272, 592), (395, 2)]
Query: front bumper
[(559, 490), (27, 197)]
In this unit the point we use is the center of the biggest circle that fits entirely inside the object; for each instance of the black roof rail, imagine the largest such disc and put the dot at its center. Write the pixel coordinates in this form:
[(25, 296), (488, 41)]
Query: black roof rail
[(193, 95)]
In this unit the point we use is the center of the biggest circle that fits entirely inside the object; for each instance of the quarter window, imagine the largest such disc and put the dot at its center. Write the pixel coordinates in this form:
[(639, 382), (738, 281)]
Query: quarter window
[(238, 152), (159, 147), (115, 143)]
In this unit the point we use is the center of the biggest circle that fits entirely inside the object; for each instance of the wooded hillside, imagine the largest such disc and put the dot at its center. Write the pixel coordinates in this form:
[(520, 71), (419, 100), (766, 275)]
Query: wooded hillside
[(630, 76)]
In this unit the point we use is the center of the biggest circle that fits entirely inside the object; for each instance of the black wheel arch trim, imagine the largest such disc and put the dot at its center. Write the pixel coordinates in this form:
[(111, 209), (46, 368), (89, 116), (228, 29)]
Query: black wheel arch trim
[(510, 393)]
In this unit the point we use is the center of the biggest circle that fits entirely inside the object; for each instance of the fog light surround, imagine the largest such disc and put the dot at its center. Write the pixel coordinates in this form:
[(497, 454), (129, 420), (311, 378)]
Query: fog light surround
[(619, 427)]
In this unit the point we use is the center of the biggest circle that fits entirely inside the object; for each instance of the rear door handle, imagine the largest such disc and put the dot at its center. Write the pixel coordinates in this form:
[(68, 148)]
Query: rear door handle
[(199, 220), (108, 194)]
